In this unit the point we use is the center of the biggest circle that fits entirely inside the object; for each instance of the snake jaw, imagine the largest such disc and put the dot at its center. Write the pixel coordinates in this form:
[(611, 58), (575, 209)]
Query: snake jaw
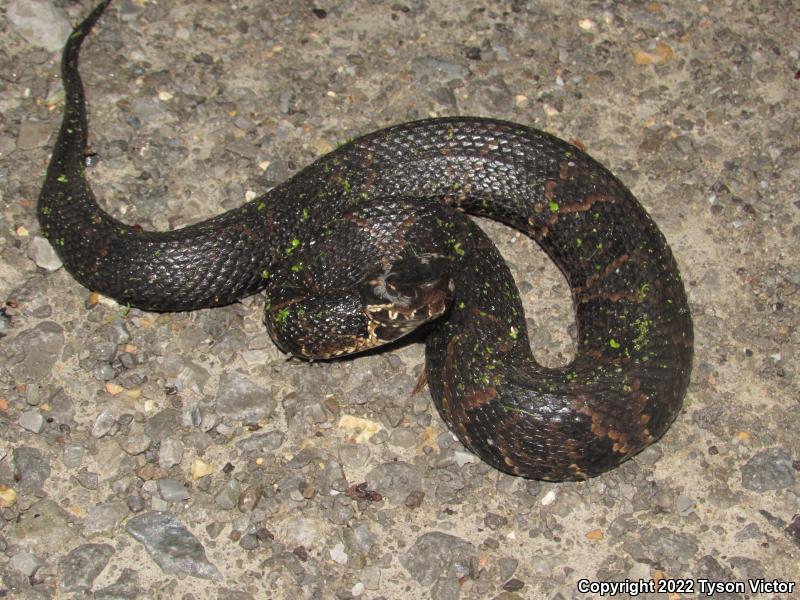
[(413, 292)]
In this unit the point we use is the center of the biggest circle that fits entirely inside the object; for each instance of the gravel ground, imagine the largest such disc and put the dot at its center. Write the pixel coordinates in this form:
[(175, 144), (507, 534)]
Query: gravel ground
[(181, 455)]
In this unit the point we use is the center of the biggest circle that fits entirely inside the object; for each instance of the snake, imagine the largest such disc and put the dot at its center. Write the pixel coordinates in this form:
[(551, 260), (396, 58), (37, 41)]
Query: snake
[(373, 240)]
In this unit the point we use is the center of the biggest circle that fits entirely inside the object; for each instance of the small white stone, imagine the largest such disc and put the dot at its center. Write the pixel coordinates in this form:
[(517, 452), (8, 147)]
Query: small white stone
[(639, 571), (32, 420), (338, 553), (549, 109), (103, 424), (464, 458), (548, 498), (357, 589), (170, 453), (41, 252)]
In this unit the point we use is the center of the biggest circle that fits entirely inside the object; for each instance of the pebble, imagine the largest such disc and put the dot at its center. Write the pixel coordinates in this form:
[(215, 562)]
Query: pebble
[(172, 546), (684, 505), (88, 479), (41, 252), (104, 351), (464, 457), (200, 469), (302, 531), (81, 566), (136, 441), (395, 480), (214, 529), (172, 490), (103, 424), (239, 397), (228, 495), (513, 585), (5, 323), (262, 442), (639, 571), (371, 577), (135, 504), (25, 562), (185, 374), (39, 22), (162, 424), (62, 409), (126, 587), (35, 526), (403, 438), (158, 504), (32, 420), (249, 498), (339, 554), (117, 332), (104, 372), (506, 567), (34, 351), (438, 68), (768, 470), (358, 589), (32, 395), (354, 456), (436, 555), (793, 277), (31, 468), (104, 518), (7, 145), (666, 546), (170, 453), (359, 539), (494, 521), (446, 589), (249, 541), (710, 569), (8, 496)]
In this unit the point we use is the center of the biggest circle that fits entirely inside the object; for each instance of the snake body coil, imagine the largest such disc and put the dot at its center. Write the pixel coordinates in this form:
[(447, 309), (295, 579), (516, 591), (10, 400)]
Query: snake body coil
[(628, 378)]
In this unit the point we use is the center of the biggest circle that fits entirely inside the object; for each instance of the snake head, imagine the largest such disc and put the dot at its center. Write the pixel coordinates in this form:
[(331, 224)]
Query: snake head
[(383, 308), (412, 292)]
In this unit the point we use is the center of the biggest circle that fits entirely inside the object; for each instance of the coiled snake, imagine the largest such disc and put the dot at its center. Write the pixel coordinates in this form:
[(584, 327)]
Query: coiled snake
[(370, 241)]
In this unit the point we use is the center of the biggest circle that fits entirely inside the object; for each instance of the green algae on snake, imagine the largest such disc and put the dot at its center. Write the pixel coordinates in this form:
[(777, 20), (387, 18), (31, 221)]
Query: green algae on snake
[(621, 391)]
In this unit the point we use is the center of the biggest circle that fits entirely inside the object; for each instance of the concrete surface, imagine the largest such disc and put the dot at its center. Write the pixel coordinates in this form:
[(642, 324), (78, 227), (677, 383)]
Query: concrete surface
[(108, 414)]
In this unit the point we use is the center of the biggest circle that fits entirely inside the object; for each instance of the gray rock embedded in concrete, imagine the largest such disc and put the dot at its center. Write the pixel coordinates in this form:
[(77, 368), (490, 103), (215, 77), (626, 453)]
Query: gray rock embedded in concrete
[(82, 565), (171, 545), (771, 469), (39, 22), (42, 253), (239, 397), (31, 468)]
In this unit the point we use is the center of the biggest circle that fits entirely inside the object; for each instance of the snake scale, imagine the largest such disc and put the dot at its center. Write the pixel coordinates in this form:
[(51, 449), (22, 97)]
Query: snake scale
[(371, 240)]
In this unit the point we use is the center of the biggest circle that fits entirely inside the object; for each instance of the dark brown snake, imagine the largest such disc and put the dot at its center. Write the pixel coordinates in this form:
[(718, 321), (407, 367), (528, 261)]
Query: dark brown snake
[(370, 241)]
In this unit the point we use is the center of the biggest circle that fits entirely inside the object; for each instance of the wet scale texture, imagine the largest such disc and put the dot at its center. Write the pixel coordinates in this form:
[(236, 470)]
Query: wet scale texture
[(632, 365)]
